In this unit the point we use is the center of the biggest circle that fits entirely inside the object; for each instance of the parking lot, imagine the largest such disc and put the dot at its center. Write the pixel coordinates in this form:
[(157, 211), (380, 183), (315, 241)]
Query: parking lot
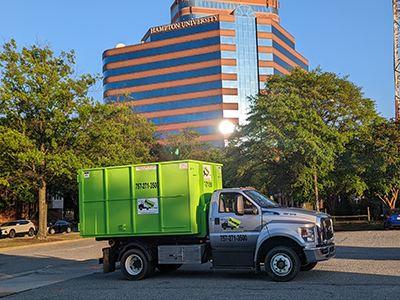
[(366, 267)]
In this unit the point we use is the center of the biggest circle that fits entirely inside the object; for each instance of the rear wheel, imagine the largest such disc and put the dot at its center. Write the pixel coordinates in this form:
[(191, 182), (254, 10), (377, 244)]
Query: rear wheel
[(168, 267), (12, 233), (31, 231), (282, 263), (307, 266), (135, 266)]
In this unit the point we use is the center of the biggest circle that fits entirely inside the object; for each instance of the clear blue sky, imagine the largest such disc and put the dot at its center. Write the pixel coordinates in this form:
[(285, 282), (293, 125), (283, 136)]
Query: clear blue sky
[(347, 37)]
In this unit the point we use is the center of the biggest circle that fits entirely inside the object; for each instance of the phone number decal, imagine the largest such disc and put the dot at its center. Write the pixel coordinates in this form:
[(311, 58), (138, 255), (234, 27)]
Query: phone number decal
[(146, 185), (234, 238)]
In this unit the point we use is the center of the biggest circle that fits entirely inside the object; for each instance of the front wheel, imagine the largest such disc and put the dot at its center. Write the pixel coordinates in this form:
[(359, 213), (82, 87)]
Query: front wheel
[(12, 234), (282, 264), (52, 231), (307, 266), (135, 266), (69, 229)]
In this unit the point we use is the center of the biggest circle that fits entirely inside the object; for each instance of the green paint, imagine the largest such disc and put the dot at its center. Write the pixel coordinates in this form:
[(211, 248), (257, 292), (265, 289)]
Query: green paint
[(108, 199)]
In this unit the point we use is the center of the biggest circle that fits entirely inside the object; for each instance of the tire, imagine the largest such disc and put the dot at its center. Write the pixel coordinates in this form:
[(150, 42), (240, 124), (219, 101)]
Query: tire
[(135, 266), (31, 232), (69, 229), (282, 264), (385, 227), (12, 234), (52, 231), (168, 267), (307, 266)]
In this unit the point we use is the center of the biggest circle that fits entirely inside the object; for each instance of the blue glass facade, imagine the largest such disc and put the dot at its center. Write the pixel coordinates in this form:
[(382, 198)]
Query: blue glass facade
[(162, 50), (163, 64), (171, 91), (202, 72), (179, 104), (162, 78), (247, 62)]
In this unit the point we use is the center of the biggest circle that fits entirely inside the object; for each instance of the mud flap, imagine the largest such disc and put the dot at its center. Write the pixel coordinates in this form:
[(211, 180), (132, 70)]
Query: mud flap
[(108, 260)]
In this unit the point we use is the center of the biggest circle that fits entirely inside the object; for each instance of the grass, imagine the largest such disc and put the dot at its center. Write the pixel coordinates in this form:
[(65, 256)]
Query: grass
[(31, 241)]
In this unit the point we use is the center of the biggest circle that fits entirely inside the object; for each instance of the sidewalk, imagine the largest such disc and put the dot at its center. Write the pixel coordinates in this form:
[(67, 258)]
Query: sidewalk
[(7, 244)]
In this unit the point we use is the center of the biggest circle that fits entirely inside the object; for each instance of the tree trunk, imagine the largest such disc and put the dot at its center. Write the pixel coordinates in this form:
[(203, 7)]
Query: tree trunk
[(331, 202), (390, 198), (42, 229)]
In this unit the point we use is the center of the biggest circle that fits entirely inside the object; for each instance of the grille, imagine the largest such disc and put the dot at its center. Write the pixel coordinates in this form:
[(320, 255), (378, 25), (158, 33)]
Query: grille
[(327, 229)]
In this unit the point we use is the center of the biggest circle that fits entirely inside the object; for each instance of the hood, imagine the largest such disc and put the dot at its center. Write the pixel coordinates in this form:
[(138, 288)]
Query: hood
[(294, 212)]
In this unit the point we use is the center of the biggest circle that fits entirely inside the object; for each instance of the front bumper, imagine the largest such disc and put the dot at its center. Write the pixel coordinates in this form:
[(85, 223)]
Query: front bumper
[(320, 253)]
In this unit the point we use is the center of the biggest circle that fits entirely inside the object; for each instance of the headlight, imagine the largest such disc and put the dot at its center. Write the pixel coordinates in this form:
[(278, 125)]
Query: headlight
[(308, 234)]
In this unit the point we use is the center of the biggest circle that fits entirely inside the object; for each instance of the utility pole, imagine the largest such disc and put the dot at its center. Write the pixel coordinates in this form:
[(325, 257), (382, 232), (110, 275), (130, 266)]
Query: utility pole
[(396, 28)]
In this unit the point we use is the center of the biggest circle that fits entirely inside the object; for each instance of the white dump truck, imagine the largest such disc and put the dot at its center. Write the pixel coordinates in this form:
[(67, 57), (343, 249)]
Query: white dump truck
[(164, 215)]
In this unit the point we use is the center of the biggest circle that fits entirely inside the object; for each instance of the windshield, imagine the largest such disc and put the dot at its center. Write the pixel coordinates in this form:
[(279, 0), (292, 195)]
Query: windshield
[(10, 223), (261, 200)]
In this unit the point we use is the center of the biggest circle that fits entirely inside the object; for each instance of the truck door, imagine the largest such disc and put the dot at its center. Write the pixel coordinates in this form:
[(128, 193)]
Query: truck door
[(233, 237)]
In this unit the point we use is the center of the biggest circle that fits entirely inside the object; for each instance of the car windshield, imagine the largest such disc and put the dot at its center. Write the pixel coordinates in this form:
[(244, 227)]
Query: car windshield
[(261, 200), (10, 223)]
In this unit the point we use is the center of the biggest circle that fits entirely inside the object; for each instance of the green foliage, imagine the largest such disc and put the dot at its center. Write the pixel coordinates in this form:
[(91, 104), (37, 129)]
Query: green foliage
[(183, 145), (49, 127), (298, 128), (381, 150)]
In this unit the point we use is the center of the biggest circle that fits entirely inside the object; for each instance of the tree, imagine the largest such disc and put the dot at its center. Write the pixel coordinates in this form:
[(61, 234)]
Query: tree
[(110, 135), (12, 185), (183, 145), (297, 128), (382, 158), (39, 97), (59, 129)]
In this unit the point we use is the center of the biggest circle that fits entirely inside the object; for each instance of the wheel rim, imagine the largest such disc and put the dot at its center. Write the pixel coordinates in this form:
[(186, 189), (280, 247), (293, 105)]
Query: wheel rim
[(281, 264), (134, 265)]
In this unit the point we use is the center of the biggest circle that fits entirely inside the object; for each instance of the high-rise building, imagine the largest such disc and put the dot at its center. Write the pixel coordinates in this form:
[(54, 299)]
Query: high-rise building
[(200, 69)]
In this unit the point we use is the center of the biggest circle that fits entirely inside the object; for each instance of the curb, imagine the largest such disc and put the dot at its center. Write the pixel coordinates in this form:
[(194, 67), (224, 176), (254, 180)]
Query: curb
[(43, 244)]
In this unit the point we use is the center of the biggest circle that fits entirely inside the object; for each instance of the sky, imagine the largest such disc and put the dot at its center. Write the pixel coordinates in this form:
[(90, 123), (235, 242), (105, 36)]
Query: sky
[(348, 37)]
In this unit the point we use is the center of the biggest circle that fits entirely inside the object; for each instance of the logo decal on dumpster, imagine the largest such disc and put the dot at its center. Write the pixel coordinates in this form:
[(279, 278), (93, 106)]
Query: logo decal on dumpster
[(146, 206), (207, 173)]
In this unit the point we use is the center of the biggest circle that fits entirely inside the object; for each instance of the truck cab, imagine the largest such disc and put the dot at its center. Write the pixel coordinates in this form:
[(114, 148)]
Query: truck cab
[(259, 226)]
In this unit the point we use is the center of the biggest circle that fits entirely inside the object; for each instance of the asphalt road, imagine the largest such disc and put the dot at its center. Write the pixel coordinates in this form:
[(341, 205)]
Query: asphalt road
[(367, 266)]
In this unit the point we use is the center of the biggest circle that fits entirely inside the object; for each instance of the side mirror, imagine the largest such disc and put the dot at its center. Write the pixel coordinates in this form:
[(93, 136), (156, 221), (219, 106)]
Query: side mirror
[(239, 205)]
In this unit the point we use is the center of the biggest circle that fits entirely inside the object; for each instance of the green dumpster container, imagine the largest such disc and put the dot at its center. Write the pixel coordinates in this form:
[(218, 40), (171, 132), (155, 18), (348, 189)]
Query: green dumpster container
[(156, 199)]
